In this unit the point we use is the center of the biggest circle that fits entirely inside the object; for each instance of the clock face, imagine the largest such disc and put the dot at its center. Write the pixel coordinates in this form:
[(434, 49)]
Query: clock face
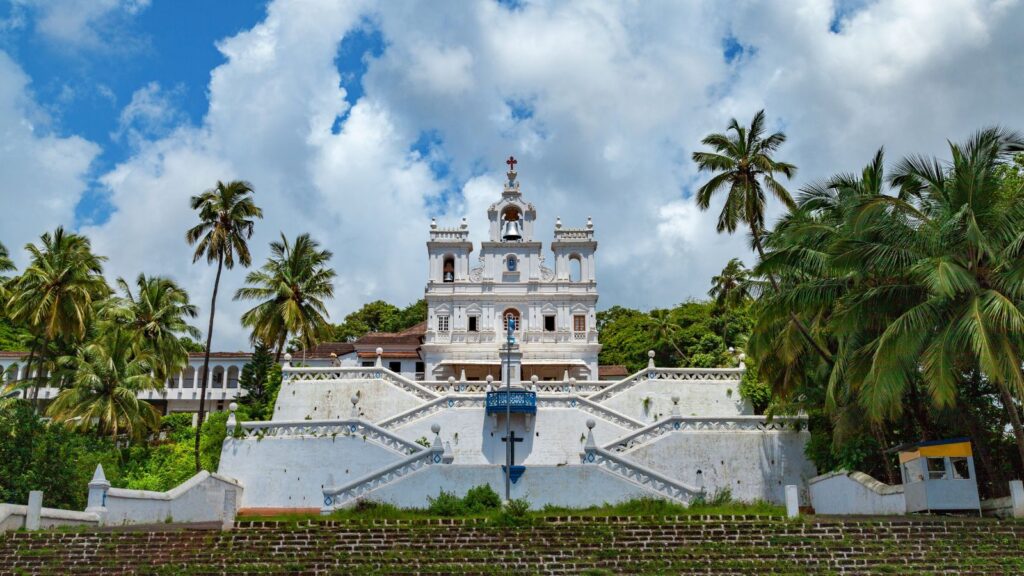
[(511, 263)]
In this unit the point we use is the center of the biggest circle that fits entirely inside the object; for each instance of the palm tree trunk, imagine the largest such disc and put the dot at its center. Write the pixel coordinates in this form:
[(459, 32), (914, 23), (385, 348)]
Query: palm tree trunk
[(206, 361), (825, 354), (280, 347), (1014, 414)]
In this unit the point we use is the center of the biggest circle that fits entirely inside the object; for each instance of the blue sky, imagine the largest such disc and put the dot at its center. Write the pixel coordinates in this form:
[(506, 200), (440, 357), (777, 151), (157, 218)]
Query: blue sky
[(358, 121)]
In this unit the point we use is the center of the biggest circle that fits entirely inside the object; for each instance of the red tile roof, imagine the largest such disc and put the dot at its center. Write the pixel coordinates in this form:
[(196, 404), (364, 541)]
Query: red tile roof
[(612, 371)]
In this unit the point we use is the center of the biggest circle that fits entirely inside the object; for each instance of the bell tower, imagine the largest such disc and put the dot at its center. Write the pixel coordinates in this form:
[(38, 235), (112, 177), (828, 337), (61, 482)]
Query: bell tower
[(511, 218)]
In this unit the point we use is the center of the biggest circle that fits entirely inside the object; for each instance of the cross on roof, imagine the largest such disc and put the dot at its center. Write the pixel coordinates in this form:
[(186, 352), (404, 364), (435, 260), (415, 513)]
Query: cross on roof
[(511, 163)]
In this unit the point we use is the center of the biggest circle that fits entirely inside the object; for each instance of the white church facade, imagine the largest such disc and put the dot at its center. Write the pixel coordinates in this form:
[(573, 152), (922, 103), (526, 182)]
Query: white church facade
[(471, 302), (400, 417)]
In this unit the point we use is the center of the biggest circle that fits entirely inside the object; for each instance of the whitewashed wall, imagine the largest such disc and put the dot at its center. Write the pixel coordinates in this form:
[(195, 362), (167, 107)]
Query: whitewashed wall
[(754, 465), (329, 400), (12, 517), (291, 472), (571, 486), (696, 398), (855, 493), (199, 499), (553, 436)]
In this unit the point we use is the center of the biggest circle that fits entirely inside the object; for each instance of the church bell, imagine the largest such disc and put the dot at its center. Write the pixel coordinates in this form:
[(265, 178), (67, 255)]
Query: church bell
[(510, 230)]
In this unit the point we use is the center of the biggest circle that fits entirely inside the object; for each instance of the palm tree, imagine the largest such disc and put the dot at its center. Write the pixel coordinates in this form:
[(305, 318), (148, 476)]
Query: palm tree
[(226, 219), (291, 285), (6, 265), (731, 287), (744, 165), (742, 162), (106, 377), (664, 329), (55, 295), (971, 240), (157, 317)]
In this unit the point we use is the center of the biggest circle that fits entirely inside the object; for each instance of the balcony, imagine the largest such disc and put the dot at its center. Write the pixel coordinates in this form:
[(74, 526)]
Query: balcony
[(514, 401)]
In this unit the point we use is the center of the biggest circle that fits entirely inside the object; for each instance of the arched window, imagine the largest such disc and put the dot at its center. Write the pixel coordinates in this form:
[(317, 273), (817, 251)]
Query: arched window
[(510, 315), (511, 263), (448, 269), (575, 268), (218, 377), (233, 377), (190, 377)]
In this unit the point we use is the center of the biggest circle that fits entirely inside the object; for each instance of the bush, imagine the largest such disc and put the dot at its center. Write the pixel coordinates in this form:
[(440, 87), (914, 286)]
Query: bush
[(516, 513), (481, 498), (446, 504)]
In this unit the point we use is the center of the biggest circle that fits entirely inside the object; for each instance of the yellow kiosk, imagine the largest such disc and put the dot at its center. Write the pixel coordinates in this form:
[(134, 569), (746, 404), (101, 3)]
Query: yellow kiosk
[(938, 476)]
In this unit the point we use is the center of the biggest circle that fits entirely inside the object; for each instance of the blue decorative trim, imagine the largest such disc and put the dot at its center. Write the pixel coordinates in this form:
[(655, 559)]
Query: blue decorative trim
[(328, 501), (437, 458), (377, 375), (515, 473), (590, 456), (675, 425), (572, 403), (352, 428), (517, 401), (652, 375), (451, 403)]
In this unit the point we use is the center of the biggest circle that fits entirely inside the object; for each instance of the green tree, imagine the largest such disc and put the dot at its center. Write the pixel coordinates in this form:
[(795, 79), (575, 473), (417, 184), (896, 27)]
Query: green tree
[(664, 330), (106, 376), (157, 317), (254, 380), (291, 287), (376, 316), (55, 295), (227, 216), (6, 265)]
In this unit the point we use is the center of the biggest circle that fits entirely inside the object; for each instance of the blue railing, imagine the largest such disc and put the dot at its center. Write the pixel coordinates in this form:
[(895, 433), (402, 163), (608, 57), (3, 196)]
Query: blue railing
[(516, 401)]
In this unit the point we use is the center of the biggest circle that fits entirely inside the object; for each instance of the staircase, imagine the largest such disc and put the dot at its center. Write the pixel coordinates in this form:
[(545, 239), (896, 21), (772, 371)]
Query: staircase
[(739, 545)]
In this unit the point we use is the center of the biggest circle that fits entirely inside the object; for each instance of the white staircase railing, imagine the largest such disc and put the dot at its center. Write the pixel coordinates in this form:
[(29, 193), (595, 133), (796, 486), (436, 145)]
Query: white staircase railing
[(648, 434), (582, 387), (328, 373), (339, 497), (589, 406), (681, 374), (436, 405), (323, 428), (640, 475)]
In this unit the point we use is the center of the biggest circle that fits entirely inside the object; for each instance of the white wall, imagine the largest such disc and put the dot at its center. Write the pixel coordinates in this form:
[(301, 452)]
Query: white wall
[(12, 517), (291, 472), (696, 398), (552, 436), (199, 499), (754, 465), (331, 400), (855, 493), (571, 486)]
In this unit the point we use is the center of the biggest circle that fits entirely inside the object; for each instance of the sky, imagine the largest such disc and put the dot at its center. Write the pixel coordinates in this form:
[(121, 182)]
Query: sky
[(358, 122)]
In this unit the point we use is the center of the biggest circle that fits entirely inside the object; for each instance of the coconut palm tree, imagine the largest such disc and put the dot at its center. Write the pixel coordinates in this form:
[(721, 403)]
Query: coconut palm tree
[(226, 219), (291, 286), (106, 376), (743, 166), (56, 294), (157, 317), (731, 287), (6, 265), (970, 236), (664, 329)]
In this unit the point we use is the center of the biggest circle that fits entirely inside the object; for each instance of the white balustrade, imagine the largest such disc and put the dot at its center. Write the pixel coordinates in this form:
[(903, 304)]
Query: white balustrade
[(678, 374), (330, 373), (640, 475), (324, 428), (671, 424)]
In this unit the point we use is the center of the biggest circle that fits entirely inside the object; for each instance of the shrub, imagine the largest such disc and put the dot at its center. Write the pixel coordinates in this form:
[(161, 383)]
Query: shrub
[(516, 513), (446, 504), (480, 499)]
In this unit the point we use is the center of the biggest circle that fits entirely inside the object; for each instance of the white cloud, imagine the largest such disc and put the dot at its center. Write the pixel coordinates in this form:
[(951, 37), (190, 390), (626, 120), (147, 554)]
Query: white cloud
[(613, 98), (92, 24), (42, 176), (152, 113)]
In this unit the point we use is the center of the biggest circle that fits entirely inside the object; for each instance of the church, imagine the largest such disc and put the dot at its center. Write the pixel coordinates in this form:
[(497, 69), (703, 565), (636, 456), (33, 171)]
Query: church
[(506, 367)]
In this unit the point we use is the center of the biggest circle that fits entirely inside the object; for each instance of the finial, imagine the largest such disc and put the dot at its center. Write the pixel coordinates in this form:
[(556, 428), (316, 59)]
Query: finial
[(490, 378), (433, 223), (464, 224), (435, 428), (590, 222), (591, 423), (558, 223), (511, 163)]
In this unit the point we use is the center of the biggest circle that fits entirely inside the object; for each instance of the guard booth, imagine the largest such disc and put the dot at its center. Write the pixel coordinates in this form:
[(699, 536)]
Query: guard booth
[(938, 476)]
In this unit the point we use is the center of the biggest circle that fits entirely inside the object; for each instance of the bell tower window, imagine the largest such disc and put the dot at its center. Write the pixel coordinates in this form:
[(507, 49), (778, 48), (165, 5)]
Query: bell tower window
[(511, 263), (575, 268), (448, 269), (511, 224)]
